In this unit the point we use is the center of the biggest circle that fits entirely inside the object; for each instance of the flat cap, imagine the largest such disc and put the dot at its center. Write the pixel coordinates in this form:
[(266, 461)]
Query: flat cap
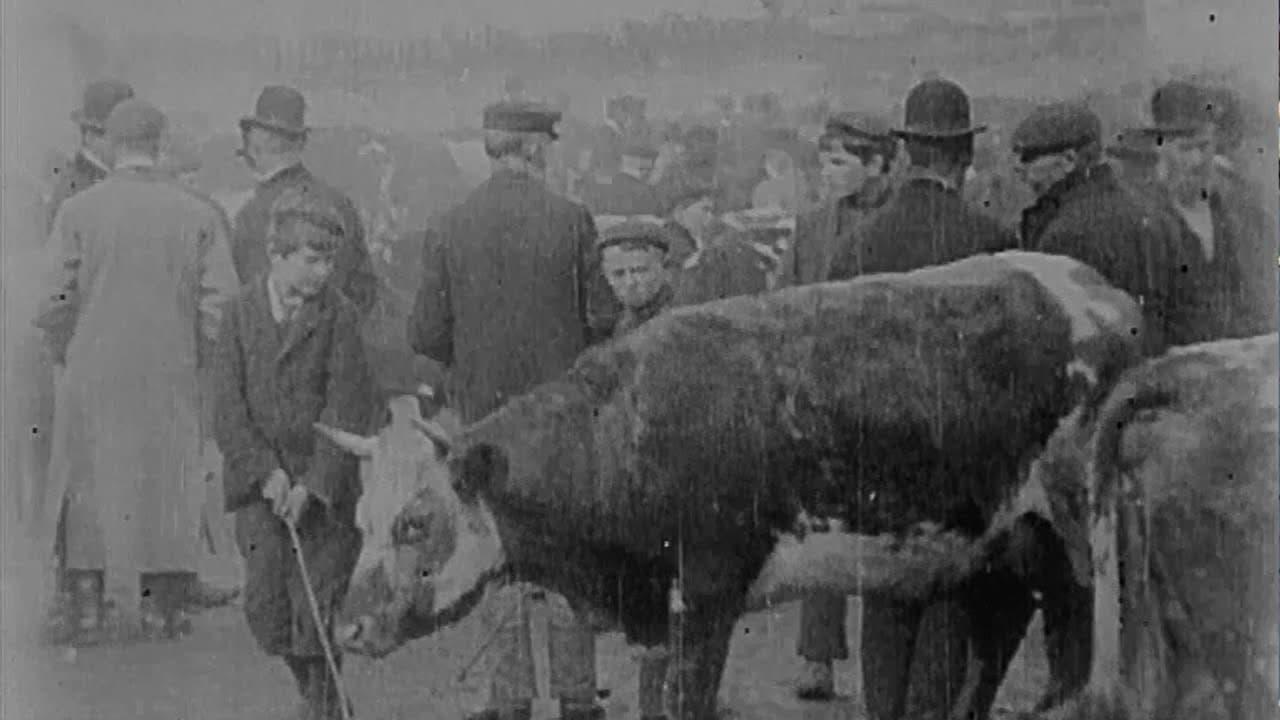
[(1056, 127), (858, 128), (648, 231), (100, 98), (1181, 107), (303, 203), (528, 117), (135, 119)]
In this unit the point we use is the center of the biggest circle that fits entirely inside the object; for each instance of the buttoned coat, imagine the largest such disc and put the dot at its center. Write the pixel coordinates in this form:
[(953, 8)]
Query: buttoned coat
[(274, 381), (139, 266), (818, 230), (352, 268), (510, 287)]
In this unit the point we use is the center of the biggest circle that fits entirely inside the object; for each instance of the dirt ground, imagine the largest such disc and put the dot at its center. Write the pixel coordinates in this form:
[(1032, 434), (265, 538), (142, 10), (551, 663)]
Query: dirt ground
[(218, 674)]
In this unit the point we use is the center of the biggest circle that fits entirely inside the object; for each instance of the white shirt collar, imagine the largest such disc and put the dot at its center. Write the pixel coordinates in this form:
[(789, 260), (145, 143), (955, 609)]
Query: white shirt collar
[(134, 162), (281, 308), (94, 160)]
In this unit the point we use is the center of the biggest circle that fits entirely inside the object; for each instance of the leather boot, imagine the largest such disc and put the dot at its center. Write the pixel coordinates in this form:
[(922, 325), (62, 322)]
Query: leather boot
[(816, 681)]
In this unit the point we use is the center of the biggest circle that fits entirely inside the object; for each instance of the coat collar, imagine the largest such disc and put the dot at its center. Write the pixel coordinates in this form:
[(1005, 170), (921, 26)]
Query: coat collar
[(1038, 216), (90, 162), (303, 324), (285, 174)]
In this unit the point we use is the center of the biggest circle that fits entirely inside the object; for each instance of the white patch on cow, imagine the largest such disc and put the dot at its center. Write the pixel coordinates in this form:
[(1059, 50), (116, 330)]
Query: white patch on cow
[(839, 561), (1093, 310), (476, 556)]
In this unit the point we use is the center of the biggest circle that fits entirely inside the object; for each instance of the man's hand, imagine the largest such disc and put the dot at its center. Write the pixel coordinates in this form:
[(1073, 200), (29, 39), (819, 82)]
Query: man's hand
[(295, 503), (275, 490)]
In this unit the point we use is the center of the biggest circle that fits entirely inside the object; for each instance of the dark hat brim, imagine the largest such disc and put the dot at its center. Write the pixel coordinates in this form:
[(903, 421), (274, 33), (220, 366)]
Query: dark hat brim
[(249, 122), (917, 131), (1179, 129)]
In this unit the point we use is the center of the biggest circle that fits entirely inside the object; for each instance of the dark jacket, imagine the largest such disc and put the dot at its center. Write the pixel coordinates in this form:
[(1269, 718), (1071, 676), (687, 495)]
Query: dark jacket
[(352, 268), (809, 260), (1233, 294), (274, 382), (730, 265), (79, 174), (509, 287), (924, 223), (1090, 217)]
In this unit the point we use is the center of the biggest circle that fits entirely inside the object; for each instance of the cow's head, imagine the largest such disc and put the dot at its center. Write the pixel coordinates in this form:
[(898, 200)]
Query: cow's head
[(429, 544)]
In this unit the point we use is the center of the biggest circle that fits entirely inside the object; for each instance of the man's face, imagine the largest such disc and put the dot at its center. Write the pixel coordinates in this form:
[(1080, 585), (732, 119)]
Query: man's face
[(844, 173), (696, 216), (1045, 171), (635, 274), (303, 272), (1186, 163)]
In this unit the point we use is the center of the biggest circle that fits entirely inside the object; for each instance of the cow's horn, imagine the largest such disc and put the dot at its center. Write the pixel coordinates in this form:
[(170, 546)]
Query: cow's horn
[(355, 444), (435, 431)]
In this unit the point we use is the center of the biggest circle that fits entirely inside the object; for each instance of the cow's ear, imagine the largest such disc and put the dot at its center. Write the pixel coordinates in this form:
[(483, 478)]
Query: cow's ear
[(480, 468), (357, 445)]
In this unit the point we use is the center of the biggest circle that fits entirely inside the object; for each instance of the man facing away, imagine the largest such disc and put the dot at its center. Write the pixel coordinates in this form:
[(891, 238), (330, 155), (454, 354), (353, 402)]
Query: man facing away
[(290, 355), (509, 287), (140, 266), (92, 161), (925, 222), (273, 140)]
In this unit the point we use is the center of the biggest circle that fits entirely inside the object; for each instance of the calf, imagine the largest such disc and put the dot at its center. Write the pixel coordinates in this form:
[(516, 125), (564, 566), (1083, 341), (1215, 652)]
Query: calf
[(864, 438), (1178, 539)]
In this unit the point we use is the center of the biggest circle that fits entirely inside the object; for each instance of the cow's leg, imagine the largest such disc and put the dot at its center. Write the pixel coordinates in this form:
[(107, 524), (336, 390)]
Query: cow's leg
[(889, 632), (1000, 606), (699, 649)]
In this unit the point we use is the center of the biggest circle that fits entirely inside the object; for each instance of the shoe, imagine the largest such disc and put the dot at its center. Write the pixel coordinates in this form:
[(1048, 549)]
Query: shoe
[(574, 711), (816, 682)]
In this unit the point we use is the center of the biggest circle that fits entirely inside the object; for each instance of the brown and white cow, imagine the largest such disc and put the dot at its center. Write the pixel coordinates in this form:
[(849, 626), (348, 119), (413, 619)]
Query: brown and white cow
[(1178, 538), (867, 437)]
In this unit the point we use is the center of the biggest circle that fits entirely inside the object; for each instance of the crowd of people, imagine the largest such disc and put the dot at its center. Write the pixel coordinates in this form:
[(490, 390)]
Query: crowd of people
[(178, 334)]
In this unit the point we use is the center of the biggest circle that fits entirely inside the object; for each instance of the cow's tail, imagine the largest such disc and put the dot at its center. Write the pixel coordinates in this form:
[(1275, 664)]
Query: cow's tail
[(1125, 663)]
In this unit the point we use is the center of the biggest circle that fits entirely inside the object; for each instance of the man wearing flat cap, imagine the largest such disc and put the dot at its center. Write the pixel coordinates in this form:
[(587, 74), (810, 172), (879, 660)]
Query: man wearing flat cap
[(273, 140), (510, 286), (1232, 265), (628, 191), (633, 258), (139, 267), (92, 161), (926, 222)]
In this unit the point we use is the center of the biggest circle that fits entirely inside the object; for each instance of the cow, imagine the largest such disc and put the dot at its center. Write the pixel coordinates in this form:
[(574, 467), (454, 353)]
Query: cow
[(865, 437), (1175, 532)]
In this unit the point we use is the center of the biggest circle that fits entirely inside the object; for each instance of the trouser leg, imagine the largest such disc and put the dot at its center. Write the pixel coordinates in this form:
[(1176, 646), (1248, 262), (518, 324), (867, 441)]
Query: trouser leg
[(888, 639), (512, 684), (653, 678)]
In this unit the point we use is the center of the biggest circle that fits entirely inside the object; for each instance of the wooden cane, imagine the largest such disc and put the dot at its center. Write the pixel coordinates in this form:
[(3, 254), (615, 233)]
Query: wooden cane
[(321, 626)]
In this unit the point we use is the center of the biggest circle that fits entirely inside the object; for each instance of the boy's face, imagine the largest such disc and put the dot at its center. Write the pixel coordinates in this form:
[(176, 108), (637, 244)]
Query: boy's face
[(844, 173), (636, 275), (302, 272)]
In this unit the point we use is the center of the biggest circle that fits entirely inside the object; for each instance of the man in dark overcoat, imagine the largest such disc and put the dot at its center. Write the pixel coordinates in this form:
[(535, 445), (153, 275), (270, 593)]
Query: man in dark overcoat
[(510, 282), (274, 137), (926, 222), (1083, 211), (1231, 267), (92, 162), (290, 354)]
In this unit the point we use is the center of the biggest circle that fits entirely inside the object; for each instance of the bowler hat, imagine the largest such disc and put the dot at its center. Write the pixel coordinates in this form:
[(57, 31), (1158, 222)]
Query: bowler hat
[(937, 109), (1180, 108), (100, 98), (135, 119), (1056, 127), (527, 117), (279, 109), (857, 128), (637, 230)]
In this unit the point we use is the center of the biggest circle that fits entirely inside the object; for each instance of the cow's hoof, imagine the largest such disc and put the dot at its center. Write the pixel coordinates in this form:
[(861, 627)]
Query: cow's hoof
[(816, 682)]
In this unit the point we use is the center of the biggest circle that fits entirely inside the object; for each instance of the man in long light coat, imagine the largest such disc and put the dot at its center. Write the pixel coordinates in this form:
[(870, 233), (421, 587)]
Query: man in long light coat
[(138, 267)]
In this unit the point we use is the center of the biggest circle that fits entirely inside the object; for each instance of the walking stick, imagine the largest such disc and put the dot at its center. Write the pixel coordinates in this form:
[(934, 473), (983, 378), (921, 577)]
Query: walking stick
[(321, 626)]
